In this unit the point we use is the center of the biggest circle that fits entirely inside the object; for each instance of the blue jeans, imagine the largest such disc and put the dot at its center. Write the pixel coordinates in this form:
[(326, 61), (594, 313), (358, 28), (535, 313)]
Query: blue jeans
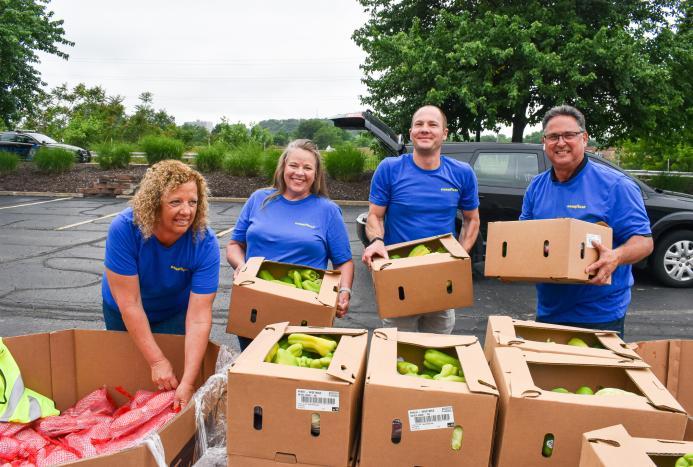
[(616, 325), (172, 325)]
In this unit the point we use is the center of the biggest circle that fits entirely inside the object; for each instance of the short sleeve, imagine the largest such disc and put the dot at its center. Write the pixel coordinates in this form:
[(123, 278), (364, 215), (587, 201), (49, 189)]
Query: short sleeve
[(205, 278), (628, 215), (469, 199), (528, 203), (380, 184), (121, 247), (338, 246)]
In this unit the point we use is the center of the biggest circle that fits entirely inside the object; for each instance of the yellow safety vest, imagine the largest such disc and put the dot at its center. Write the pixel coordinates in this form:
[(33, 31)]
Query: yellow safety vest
[(17, 403)]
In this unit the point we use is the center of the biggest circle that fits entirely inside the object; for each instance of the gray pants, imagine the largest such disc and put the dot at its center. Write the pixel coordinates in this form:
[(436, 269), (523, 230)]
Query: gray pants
[(439, 322)]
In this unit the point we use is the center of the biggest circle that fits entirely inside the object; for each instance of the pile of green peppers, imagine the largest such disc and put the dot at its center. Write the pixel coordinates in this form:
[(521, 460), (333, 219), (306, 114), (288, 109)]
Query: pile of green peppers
[(305, 279), (684, 461), (419, 250), (303, 350), (437, 365)]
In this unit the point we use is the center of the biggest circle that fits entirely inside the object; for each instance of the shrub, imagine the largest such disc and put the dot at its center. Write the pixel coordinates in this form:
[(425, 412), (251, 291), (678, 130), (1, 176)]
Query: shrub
[(54, 160), (159, 148), (244, 160), (672, 183), (345, 163), (210, 158), (8, 162), (114, 156), (269, 162)]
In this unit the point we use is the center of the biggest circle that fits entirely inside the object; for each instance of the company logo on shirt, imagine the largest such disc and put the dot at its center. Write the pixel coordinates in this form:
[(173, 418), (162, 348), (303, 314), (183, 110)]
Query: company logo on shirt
[(179, 269), (576, 206), (449, 189), (303, 224)]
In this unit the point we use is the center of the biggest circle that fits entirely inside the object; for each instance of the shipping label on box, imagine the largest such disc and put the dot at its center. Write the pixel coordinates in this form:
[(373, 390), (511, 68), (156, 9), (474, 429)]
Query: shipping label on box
[(529, 385), (297, 414), (67, 365), (411, 420), (544, 337), (256, 302), (614, 447), (437, 281), (549, 250)]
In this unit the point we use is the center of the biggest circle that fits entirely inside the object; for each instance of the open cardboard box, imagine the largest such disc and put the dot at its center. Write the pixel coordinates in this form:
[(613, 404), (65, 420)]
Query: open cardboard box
[(505, 331), (423, 284), (67, 365), (614, 447), (672, 363), (530, 413), (271, 406), (549, 250), (409, 421), (255, 302)]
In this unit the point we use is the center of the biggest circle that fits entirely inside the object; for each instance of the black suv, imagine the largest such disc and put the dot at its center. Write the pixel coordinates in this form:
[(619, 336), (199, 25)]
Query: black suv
[(504, 172), (26, 143)]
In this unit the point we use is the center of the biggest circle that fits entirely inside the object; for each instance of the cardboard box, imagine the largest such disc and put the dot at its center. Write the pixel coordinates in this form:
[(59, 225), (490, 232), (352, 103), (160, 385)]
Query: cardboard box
[(390, 397), (270, 406), (67, 365), (614, 447), (530, 413), (255, 302), (423, 284), (505, 331), (672, 363), (550, 250)]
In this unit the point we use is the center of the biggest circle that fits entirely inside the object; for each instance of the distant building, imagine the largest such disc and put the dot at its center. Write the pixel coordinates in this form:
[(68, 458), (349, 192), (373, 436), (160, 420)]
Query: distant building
[(606, 153), (206, 125)]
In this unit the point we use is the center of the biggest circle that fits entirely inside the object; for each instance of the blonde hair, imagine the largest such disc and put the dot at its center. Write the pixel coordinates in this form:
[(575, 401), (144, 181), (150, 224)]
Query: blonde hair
[(319, 186), (161, 178)]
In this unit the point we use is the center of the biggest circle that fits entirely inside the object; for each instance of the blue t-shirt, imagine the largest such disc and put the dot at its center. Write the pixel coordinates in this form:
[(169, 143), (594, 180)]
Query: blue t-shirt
[(422, 203), (596, 193), (167, 275), (308, 231)]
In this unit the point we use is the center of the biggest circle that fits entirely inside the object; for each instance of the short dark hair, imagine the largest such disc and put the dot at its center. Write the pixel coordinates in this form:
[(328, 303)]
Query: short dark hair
[(442, 114), (566, 110)]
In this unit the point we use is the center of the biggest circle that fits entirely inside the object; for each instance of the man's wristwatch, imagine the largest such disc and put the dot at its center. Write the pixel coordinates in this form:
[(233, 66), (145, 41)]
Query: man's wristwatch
[(375, 239), (345, 289)]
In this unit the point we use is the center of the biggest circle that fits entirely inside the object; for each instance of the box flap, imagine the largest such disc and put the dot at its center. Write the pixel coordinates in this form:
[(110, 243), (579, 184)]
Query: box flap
[(583, 360), (424, 339), (329, 290), (553, 347), (476, 371), (614, 446), (343, 365), (657, 394)]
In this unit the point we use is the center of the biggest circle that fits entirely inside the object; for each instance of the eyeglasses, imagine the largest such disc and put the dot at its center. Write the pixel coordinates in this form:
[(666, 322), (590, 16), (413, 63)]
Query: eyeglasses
[(568, 136), (176, 203)]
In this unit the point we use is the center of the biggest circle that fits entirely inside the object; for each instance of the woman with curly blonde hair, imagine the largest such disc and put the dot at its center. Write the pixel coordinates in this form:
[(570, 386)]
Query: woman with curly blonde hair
[(162, 271)]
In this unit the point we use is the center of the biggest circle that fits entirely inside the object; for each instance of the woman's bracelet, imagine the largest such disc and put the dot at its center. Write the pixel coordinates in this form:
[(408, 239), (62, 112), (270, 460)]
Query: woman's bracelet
[(345, 289)]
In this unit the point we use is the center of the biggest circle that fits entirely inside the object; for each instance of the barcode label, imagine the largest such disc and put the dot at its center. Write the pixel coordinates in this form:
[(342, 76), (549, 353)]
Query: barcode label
[(322, 401), (431, 419), (592, 238)]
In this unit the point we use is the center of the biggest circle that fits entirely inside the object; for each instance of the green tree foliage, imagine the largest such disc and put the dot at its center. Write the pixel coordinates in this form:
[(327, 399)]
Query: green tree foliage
[(147, 121), (488, 63), (261, 135), (25, 28), (307, 128), (287, 126), (192, 135), (114, 155), (656, 154), (230, 134), (329, 135)]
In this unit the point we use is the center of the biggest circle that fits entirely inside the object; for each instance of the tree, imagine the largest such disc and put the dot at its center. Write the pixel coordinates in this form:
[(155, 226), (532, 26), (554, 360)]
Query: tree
[(488, 63), (147, 121), (329, 135), (308, 128), (192, 134), (233, 135), (262, 135), (25, 27)]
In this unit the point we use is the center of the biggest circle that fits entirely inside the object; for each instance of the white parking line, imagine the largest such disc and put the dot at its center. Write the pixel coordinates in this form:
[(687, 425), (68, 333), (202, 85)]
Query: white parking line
[(224, 232), (86, 222), (32, 204)]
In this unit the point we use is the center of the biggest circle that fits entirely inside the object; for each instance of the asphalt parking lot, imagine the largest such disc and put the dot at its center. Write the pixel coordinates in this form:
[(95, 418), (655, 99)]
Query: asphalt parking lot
[(51, 257)]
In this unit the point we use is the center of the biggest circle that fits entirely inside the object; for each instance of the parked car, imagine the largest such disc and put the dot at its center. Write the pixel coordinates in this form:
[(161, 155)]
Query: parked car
[(26, 143), (504, 172)]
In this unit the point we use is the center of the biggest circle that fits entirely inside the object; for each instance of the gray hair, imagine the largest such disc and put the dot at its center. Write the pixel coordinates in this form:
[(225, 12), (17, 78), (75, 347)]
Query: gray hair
[(566, 110)]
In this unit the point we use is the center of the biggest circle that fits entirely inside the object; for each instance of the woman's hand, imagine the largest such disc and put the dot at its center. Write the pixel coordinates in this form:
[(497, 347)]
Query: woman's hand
[(162, 375), (343, 300), (237, 269), (184, 393)]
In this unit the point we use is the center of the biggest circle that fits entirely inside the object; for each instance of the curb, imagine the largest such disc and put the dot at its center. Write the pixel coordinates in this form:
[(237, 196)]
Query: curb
[(341, 202)]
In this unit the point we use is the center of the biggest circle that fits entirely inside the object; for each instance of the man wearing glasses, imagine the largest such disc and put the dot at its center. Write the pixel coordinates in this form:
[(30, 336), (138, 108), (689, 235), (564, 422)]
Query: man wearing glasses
[(575, 187)]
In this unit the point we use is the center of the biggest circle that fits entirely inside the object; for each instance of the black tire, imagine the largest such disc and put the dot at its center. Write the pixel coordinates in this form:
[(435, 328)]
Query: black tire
[(672, 259)]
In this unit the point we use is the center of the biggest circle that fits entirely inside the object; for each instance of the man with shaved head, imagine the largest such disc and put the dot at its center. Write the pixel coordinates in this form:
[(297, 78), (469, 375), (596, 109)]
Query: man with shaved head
[(417, 195)]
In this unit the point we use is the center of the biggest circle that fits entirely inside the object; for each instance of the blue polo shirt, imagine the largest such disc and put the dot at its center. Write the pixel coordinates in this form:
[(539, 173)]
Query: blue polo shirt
[(596, 193), (309, 231), (422, 203), (166, 275)]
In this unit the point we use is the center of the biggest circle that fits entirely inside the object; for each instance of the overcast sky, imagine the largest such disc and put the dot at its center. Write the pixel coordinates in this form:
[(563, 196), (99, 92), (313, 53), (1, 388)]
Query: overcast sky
[(246, 60)]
